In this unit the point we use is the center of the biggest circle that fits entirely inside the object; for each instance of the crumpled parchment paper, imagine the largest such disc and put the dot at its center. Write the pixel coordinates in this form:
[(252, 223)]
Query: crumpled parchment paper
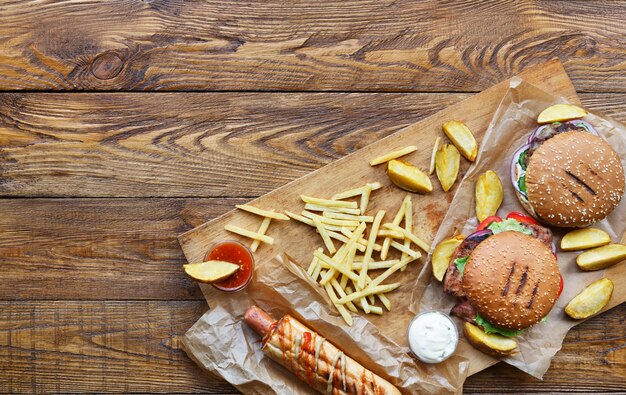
[(510, 127)]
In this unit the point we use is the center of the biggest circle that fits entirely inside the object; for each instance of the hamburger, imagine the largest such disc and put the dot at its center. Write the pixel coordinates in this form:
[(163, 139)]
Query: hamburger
[(566, 175), (505, 275)]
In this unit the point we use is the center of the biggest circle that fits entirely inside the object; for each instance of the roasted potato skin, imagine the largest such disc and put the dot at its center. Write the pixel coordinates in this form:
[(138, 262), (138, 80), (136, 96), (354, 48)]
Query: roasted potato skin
[(447, 162), (487, 343), (408, 177), (582, 239), (488, 195), (601, 257), (560, 113), (591, 300), (462, 138), (443, 254)]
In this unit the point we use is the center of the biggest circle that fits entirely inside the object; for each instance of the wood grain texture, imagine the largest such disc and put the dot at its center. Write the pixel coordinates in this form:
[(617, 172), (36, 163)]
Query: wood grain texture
[(133, 346), (99, 249), (355, 45), (204, 144)]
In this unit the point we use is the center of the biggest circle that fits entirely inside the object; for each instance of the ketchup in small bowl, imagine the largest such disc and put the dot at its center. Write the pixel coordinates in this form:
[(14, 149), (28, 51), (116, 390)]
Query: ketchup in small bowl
[(237, 253)]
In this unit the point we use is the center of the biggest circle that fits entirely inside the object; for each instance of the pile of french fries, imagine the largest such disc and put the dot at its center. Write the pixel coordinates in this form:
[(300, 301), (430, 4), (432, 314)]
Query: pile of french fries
[(345, 265)]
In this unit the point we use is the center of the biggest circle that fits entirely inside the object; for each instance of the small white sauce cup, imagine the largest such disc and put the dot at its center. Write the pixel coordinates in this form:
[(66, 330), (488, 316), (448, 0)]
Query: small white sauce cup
[(449, 352)]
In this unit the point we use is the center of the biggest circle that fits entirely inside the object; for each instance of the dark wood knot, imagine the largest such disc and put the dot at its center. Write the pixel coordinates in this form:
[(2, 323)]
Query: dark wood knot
[(107, 65)]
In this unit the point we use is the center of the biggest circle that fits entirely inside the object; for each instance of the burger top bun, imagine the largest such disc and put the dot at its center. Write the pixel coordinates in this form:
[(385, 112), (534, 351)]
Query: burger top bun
[(512, 280), (574, 179)]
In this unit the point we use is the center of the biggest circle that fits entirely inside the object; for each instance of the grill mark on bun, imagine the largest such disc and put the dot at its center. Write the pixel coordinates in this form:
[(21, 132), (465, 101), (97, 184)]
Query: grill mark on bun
[(532, 298), (522, 281), (577, 196), (581, 182), (505, 290)]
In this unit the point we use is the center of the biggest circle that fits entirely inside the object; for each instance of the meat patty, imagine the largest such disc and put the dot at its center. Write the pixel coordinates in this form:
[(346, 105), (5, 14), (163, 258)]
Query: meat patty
[(547, 133), (540, 232), (452, 281), (464, 310)]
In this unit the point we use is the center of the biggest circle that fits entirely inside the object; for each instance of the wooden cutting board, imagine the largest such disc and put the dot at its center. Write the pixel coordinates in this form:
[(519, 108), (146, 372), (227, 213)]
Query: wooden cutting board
[(299, 240)]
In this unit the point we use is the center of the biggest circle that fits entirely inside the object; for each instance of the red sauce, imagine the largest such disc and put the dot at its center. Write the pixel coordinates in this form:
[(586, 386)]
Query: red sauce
[(233, 252)]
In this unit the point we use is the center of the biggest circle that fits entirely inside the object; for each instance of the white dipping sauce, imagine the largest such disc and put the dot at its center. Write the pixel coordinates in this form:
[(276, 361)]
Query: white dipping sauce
[(433, 337)]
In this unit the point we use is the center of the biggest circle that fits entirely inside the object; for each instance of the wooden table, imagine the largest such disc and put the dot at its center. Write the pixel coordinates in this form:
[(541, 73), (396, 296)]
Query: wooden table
[(126, 123)]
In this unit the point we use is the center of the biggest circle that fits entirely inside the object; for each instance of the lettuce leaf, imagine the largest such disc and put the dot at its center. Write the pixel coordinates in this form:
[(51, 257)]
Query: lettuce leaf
[(508, 224), (490, 328), (460, 264)]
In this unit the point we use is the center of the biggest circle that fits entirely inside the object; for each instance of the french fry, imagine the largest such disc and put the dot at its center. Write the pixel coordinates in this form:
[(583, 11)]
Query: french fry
[(316, 207), (408, 223), (325, 237), (249, 234), (376, 310), (300, 218), (356, 191), (375, 265), (342, 309), (385, 301), (331, 221), (390, 233), (328, 202), (409, 236), (396, 221), (313, 265), (369, 291), (408, 251), (370, 247), (335, 284), (349, 217), (365, 198), (263, 213), (431, 170), (392, 155), (262, 229)]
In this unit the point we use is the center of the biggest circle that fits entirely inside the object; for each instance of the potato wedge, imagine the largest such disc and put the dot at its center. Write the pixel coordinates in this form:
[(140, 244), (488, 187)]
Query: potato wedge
[(408, 177), (462, 138), (560, 113), (492, 344), (210, 271), (601, 257), (591, 300), (582, 239), (488, 195), (443, 254), (447, 162)]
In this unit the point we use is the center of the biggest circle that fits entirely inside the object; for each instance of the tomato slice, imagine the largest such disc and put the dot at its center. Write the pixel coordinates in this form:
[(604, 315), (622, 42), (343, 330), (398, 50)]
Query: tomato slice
[(560, 286), (488, 221), (519, 217)]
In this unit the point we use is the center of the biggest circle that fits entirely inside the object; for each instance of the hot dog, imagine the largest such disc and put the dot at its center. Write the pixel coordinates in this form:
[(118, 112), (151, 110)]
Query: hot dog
[(312, 358)]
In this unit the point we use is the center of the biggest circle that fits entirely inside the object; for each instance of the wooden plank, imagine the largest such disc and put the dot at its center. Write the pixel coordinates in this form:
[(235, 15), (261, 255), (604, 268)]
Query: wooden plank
[(94, 249), (63, 347), (402, 45), (173, 144), (133, 346)]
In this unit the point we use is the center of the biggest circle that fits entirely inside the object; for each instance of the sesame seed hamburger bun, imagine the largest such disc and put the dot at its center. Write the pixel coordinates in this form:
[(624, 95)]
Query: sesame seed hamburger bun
[(574, 179), (512, 280)]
